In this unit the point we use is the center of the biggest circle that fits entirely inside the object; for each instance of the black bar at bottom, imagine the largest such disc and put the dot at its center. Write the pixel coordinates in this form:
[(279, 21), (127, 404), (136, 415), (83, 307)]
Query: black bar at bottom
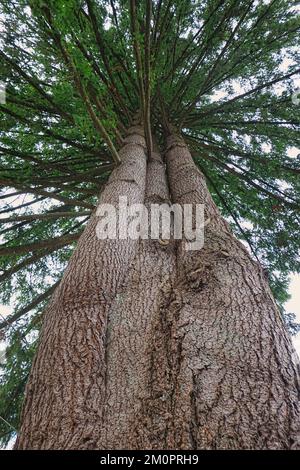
[(134, 459)]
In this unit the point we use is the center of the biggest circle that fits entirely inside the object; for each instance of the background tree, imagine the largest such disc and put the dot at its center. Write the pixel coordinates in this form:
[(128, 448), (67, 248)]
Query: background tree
[(77, 72)]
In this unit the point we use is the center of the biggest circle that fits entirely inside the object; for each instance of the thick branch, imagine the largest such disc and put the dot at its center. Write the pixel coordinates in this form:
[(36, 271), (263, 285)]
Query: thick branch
[(34, 303), (31, 247)]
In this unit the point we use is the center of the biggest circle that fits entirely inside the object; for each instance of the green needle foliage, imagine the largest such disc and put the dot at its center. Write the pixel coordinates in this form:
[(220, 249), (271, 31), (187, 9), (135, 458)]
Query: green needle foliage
[(76, 72)]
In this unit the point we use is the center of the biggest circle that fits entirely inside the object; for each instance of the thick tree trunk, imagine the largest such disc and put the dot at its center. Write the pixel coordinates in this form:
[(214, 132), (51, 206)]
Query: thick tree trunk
[(149, 346), (66, 389), (235, 374)]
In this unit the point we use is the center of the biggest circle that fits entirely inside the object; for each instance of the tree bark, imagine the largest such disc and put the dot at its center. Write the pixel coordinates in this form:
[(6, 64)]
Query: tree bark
[(135, 414), (66, 389), (146, 345), (235, 374)]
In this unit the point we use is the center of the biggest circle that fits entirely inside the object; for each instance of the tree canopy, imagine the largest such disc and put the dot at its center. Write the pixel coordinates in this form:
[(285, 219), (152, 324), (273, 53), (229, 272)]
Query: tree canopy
[(76, 72)]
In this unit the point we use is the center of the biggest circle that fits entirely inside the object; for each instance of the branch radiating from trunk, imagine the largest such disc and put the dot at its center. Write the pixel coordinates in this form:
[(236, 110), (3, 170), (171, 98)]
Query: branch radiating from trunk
[(34, 303), (35, 246)]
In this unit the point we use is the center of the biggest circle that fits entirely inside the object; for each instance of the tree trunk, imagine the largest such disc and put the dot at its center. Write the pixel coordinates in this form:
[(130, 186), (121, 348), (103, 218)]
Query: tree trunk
[(135, 414), (149, 346), (235, 373), (66, 389)]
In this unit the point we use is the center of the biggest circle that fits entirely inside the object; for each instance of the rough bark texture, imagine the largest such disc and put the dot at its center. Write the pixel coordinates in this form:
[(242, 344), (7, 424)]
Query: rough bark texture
[(66, 389), (135, 414), (235, 374), (149, 346)]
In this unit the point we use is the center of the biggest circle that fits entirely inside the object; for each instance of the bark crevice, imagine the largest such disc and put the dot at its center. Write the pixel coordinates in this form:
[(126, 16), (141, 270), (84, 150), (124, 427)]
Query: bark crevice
[(146, 345)]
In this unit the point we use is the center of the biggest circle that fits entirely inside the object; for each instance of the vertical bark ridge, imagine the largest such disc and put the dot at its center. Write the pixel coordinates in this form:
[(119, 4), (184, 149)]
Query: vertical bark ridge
[(136, 412), (236, 374), (65, 393), (148, 346)]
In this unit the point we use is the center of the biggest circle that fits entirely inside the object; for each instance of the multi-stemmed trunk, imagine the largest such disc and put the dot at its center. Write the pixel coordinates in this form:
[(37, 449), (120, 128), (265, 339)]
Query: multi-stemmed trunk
[(146, 345)]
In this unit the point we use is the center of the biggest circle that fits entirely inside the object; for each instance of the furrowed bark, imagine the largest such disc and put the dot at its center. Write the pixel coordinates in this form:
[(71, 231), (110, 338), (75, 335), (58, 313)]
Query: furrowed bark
[(135, 410), (65, 395), (235, 374), (146, 345)]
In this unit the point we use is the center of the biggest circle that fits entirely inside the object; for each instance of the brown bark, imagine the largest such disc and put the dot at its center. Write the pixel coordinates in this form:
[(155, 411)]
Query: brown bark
[(132, 405), (66, 389), (149, 346), (236, 376)]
